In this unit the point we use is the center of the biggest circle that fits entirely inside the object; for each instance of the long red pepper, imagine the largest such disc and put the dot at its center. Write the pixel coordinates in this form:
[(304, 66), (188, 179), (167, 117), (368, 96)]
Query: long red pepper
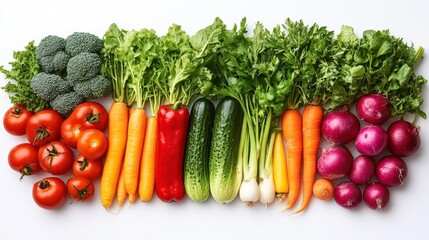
[(173, 120)]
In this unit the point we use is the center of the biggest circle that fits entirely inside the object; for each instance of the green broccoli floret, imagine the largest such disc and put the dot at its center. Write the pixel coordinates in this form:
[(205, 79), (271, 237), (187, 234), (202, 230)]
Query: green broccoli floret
[(96, 87), (79, 42), (82, 67), (55, 63), (48, 86), (66, 103), (49, 46)]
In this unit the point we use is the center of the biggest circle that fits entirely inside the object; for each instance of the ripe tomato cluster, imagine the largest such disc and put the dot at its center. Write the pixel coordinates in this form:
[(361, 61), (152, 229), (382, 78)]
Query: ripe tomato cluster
[(57, 146)]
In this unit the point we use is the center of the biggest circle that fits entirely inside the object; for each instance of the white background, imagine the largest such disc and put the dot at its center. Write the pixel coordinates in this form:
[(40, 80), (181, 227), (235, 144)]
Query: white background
[(22, 21)]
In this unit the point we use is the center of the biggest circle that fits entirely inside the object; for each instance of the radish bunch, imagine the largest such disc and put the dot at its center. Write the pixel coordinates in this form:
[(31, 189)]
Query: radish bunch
[(380, 163)]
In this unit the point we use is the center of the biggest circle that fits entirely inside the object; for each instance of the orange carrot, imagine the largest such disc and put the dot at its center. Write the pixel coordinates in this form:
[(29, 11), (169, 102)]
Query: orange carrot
[(135, 139), (147, 166), (292, 131), (311, 123), (121, 193), (117, 132), (280, 168)]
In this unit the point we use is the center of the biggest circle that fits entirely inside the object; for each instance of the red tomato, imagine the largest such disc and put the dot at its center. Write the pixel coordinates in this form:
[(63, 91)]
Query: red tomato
[(91, 169), (15, 120), (55, 158), (92, 143), (70, 132), (50, 193), (80, 189), (85, 116), (23, 158), (44, 127), (90, 115)]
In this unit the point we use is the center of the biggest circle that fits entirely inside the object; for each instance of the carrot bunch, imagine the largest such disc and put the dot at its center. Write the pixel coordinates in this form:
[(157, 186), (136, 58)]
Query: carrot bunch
[(308, 51), (128, 56)]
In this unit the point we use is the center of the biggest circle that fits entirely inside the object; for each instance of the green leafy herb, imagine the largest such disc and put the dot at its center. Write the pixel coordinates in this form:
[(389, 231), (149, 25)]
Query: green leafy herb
[(23, 69)]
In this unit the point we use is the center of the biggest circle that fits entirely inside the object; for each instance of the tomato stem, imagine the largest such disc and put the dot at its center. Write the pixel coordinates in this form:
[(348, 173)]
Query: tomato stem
[(44, 184), (93, 117), (82, 192), (17, 111), (83, 164), (41, 133)]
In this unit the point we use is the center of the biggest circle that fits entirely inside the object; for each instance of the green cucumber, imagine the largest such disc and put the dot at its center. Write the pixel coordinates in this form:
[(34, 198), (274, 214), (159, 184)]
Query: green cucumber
[(196, 164), (225, 167)]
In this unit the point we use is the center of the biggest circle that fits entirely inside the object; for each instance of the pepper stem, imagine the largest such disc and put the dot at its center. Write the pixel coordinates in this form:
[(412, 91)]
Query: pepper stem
[(175, 106)]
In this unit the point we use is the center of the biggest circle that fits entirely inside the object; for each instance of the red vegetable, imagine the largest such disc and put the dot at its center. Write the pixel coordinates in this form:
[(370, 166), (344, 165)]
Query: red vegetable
[(15, 120), (23, 158), (50, 193), (363, 170), (348, 195), (80, 189), (403, 138), (170, 149), (376, 196), (44, 127), (87, 115), (340, 126), (334, 162), (373, 108), (391, 171), (371, 140), (56, 158)]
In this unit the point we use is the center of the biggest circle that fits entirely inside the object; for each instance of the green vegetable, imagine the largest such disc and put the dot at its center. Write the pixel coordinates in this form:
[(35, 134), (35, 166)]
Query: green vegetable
[(378, 63), (48, 86), (51, 56), (184, 59), (225, 164), (251, 72), (94, 88), (80, 42), (83, 67), (23, 69), (65, 103), (196, 163)]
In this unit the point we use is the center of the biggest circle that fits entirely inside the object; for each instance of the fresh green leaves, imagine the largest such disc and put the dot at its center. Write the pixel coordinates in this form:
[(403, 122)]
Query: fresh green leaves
[(184, 61), (378, 63), (23, 69)]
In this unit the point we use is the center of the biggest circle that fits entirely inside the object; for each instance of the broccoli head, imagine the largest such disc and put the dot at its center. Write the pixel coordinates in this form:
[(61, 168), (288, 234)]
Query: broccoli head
[(83, 67), (80, 42), (55, 63), (65, 103), (48, 86), (49, 46), (96, 87)]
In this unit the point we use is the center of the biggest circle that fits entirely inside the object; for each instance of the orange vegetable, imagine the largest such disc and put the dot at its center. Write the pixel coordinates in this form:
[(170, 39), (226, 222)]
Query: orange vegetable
[(147, 166), (311, 124), (117, 135), (323, 189), (135, 139), (292, 131)]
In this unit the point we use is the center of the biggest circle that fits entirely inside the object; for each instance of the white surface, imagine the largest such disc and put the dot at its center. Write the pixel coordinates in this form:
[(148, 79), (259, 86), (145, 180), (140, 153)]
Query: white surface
[(22, 21)]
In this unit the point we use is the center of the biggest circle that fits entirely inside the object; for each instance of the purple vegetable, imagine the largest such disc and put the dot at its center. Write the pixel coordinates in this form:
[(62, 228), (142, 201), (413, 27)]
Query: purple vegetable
[(347, 195), (363, 170), (371, 140), (373, 108), (403, 138), (334, 162), (340, 126), (391, 171), (376, 196)]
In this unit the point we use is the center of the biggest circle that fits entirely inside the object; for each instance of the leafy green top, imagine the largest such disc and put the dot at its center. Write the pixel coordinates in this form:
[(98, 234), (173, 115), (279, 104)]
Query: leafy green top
[(23, 69)]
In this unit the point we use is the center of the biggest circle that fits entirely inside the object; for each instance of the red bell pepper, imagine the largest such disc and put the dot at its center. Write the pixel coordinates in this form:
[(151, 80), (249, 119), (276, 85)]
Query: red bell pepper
[(173, 120)]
